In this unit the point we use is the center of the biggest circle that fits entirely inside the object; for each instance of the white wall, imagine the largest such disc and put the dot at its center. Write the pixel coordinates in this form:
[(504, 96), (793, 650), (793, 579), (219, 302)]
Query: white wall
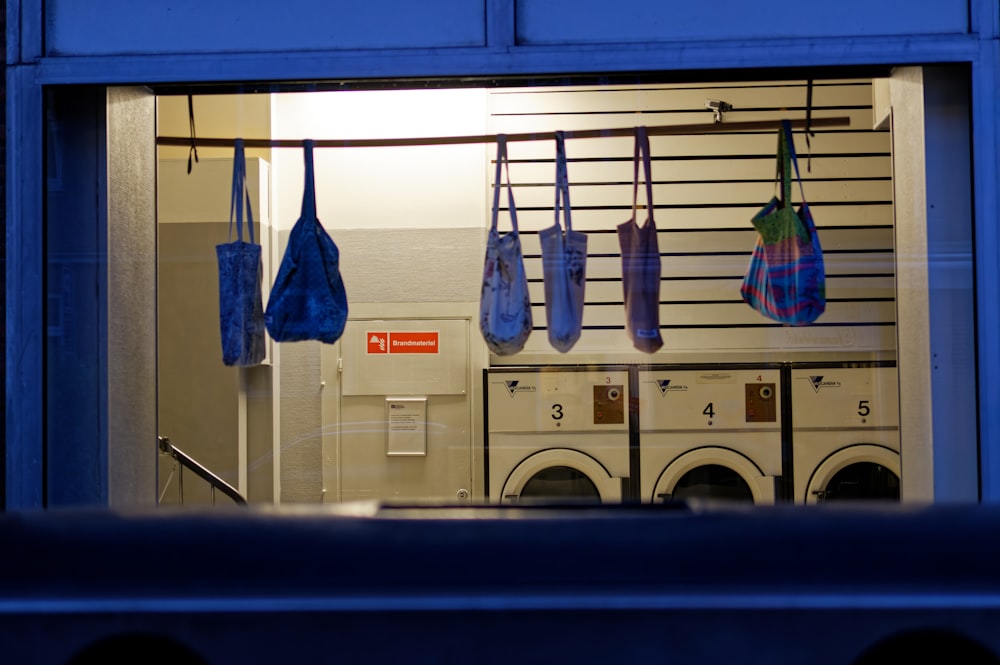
[(383, 188), (409, 223)]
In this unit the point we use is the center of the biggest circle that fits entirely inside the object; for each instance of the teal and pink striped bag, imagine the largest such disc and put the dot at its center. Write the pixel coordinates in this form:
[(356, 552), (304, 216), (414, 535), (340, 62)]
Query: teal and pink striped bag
[(785, 280)]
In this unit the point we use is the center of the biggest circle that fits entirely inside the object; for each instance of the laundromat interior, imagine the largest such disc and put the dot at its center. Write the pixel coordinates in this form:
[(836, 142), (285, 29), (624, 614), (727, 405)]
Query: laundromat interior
[(732, 407)]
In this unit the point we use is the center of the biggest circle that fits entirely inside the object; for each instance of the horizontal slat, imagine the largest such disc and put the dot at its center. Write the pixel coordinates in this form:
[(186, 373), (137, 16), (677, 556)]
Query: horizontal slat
[(771, 83), (718, 265), (703, 168), (614, 345), (692, 194), (730, 240), (702, 145), (627, 100), (727, 314), (517, 124), (715, 290), (707, 217)]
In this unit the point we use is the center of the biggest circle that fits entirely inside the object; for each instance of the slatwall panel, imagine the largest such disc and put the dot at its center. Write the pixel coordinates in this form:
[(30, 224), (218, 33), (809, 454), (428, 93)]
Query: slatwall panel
[(706, 189)]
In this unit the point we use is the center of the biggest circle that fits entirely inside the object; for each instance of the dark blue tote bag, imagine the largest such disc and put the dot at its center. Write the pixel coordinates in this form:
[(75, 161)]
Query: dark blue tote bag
[(241, 315), (308, 300)]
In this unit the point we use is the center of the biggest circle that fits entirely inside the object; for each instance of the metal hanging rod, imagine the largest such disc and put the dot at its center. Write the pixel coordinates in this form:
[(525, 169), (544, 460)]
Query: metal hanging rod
[(660, 130)]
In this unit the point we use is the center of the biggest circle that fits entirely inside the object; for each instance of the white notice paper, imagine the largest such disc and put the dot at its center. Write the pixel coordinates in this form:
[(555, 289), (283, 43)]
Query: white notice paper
[(406, 426)]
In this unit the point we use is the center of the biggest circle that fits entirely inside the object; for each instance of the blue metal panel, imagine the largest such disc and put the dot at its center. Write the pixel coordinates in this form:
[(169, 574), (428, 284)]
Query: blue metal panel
[(634, 21), (104, 27), (951, 294), (488, 62), (24, 281), (75, 354), (985, 17), (986, 148), (501, 587), (24, 21), (500, 23)]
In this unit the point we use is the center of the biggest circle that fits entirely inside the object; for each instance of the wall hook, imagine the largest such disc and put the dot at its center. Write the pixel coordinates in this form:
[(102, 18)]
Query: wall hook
[(718, 107)]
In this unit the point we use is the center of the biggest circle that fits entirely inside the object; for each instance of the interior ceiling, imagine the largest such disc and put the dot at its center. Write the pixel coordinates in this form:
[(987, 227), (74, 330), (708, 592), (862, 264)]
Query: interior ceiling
[(618, 78)]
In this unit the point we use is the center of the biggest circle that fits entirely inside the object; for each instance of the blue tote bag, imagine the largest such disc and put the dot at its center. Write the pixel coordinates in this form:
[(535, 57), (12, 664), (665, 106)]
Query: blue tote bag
[(241, 315), (504, 305), (308, 300), (641, 260), (564, 265)]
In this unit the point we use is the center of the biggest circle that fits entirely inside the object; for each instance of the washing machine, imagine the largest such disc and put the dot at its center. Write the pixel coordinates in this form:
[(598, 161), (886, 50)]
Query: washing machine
[(710, 433), (845, 432), (557, 434)]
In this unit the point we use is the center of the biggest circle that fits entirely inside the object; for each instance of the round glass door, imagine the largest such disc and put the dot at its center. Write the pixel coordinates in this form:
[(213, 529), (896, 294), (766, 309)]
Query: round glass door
[(560, 483), (712, 481), (862, 481)]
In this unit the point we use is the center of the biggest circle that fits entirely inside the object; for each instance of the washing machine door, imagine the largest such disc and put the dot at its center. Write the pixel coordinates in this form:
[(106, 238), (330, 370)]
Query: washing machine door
[(862, 472), (713, 473), (561, 475)]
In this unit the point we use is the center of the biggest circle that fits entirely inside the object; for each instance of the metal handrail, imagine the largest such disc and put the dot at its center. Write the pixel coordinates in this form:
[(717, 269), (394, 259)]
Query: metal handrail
[(189, 462)]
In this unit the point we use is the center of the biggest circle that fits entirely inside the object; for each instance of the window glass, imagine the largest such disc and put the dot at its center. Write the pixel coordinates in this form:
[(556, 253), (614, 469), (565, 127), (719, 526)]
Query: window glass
[(412, 402)]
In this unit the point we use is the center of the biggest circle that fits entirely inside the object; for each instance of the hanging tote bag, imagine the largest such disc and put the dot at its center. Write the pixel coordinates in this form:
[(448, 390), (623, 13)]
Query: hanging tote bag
[(564, 263), (241, 315), (308, 300), (641, 260), (786, 279), (504, 305)]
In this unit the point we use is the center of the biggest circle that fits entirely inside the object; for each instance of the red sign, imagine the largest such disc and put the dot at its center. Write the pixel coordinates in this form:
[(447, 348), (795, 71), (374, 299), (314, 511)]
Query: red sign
[(403, 342), (378, 342)]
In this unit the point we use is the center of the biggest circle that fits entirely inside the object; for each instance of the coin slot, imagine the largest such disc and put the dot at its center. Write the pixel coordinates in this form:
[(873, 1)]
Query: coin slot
[(761, 407), (609, 407)]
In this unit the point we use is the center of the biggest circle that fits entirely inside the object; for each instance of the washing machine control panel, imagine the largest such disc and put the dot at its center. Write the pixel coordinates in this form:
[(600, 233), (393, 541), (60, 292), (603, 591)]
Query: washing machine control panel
[(845, 397), (563, 400), (737, 398)]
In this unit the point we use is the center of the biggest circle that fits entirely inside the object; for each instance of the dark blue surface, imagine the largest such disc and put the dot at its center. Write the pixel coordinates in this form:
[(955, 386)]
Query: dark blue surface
[(502, 584)]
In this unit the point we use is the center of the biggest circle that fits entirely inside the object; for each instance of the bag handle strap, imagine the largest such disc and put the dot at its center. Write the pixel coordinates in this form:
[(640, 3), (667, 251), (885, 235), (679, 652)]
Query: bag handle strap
[(240, 191), (787, 159), (786, 127), (642, 149), (502, 159), (562, 181), (309, 191)]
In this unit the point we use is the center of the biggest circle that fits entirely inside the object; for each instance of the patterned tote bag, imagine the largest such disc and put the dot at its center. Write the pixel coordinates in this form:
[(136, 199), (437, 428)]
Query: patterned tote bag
[(308, 300), (786, 279), (641, 260), (564, 265), (241, 315), (504, 305)]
